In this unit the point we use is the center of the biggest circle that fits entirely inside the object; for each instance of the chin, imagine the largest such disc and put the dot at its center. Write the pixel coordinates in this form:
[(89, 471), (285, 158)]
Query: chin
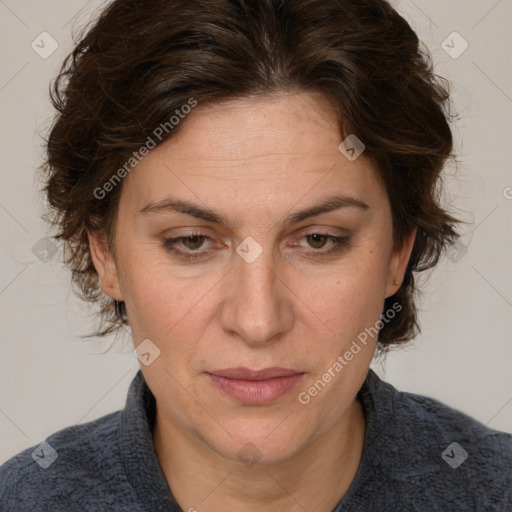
[(259, 441)]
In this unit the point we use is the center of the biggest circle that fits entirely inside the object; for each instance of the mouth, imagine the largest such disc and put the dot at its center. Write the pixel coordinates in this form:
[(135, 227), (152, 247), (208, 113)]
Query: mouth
[(256, 387)]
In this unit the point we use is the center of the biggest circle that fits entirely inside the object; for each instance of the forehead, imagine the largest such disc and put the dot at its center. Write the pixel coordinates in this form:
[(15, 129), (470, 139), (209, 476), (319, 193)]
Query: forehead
[(284, 126), (242, 151)]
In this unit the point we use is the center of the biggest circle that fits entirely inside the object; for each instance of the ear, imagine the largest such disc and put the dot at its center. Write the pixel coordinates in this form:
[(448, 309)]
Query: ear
[(398, 264), (105, 265)]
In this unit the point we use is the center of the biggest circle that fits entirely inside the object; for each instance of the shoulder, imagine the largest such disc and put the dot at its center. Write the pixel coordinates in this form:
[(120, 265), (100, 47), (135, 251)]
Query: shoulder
[(44, 476), (436, 424), (444, 454)]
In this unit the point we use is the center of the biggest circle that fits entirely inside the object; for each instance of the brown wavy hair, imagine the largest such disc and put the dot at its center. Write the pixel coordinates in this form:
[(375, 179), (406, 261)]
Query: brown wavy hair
[(140, 61)]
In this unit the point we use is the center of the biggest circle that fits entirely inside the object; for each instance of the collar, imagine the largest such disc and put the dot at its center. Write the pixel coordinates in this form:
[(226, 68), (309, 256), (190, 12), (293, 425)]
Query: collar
[(138, 451)]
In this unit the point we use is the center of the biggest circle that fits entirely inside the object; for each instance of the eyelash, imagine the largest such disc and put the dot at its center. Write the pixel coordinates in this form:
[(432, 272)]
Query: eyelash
[(339, 243)]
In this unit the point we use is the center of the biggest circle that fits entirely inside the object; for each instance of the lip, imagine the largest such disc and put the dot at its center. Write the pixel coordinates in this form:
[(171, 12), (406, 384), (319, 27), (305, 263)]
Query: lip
[(248, 374), (256, 387)]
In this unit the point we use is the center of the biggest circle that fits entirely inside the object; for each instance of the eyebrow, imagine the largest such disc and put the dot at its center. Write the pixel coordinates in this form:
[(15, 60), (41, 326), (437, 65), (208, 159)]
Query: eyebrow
[(211, 215)]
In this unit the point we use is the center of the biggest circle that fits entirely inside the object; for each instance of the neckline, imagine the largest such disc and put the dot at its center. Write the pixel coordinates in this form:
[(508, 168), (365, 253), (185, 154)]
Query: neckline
[(138, 451), (145, 474)]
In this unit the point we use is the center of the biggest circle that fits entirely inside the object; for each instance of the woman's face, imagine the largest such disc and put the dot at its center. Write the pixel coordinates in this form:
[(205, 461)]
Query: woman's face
[(259, 280)]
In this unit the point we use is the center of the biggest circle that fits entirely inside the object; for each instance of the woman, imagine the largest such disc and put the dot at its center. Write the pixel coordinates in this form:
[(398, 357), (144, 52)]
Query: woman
[(251, 186)]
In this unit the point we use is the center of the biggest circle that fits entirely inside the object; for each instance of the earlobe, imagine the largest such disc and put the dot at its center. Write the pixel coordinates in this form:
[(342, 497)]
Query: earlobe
[(105, 265), (398, 264)]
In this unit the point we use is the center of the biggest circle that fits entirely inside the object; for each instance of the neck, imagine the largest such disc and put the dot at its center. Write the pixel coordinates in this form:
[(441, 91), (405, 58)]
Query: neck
[(316, 478)]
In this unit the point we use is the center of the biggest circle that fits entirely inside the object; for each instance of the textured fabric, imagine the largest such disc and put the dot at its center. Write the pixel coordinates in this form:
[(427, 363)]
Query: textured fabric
[(110, 464)]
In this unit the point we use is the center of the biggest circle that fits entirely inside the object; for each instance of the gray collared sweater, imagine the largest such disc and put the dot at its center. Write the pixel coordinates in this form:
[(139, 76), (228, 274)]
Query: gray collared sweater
[(419, 455)]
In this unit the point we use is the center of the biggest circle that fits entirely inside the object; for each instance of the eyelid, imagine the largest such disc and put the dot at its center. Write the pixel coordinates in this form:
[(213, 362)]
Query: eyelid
[(310, 230), (192, 234), (325, 230), (336, 246)]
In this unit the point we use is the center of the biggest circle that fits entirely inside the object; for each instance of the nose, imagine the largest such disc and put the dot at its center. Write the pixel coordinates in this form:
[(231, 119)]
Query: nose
[(258, 307)]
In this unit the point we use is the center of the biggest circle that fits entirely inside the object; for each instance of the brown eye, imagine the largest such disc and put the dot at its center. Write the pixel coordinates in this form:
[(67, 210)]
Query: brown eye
[(196, 241), (195, 246), (325, 244), (317, 241)]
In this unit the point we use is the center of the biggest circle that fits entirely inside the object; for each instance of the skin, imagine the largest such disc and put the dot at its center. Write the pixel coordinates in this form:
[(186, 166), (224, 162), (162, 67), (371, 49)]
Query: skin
[(254, 161)]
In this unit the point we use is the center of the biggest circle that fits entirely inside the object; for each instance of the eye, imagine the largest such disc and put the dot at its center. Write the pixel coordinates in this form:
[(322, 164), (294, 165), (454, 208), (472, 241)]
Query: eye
[(319, 240), (195, 245), (187, 247), (193, 242)]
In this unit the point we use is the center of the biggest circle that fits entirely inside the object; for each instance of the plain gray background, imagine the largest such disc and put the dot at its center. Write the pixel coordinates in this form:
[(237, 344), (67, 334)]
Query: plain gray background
[(50, 378)]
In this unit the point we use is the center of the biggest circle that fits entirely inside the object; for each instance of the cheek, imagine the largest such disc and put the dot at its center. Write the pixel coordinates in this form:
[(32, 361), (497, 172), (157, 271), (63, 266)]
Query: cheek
[(338, 300), (153, 299), (162, 306), (349, 298)]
